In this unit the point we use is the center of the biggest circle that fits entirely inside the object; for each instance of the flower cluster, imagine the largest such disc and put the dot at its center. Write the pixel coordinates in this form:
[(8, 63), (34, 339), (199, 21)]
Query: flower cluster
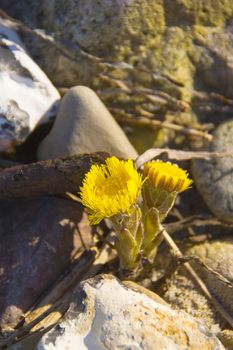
[(112, 190)]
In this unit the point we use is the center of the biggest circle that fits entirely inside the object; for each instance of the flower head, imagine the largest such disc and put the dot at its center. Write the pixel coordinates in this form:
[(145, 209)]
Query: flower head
[(110, 189), (167, 176)]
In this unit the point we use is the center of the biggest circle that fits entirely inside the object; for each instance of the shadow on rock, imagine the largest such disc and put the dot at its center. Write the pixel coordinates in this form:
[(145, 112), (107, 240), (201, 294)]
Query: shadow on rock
[(38, 238)]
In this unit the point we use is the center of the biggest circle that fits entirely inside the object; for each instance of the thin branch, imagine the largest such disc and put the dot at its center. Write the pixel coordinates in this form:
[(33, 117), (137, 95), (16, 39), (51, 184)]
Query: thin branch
[(179, 216), (198, 260), (129, 119), (14, 337), (197, 279), (194, 220), (148, 93), (168, 154), (63, 284), (50, 309)]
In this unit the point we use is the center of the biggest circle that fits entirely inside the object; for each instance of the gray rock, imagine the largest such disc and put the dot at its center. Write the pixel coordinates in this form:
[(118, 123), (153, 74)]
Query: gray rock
[(106, 315), (38, 237), (27, 96), (84, 125), (214, 178)]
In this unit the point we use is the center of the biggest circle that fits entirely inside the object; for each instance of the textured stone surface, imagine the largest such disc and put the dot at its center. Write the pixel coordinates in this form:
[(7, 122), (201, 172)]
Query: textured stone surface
[(219, 256), (104, 314), (226, 337), (182, 48), (83, 125), (184, 294), (182, 40), (38, 238), (27, 96), (214, 178)]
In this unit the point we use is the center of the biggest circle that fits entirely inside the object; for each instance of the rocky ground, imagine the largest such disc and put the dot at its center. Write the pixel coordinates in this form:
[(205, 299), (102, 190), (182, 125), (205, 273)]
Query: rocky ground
[(118, 77)]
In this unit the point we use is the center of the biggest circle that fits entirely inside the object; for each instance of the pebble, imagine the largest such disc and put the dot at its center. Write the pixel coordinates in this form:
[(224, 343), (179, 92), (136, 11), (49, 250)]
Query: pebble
[(84, 125), (106, 315), (214, 178)]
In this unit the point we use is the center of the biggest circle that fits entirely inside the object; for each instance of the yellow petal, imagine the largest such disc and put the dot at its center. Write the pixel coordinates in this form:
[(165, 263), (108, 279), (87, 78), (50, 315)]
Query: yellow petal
[(167, 176), (110, 189)]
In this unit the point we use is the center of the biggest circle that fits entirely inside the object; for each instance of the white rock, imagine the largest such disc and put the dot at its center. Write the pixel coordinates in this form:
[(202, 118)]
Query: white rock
[(27, 96), (106, 315)]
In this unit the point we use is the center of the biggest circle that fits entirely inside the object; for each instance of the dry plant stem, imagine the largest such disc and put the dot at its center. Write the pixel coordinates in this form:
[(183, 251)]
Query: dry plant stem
[(195, 220), (89, 268), (198, 280), (11, 339), (142, 120), (148, 93), (168, 154), (202, 95), (62, 286), (178, 214), (197, 260), (105, 255), (53, 305)]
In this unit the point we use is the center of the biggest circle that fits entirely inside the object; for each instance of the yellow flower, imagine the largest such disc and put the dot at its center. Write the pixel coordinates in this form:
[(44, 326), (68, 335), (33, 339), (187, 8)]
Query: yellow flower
[(167, 176), (110, 189)]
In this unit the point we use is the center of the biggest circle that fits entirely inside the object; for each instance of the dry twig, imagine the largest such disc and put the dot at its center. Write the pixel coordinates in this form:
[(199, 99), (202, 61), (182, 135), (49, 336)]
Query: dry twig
[(15, 336), (198, 260), (194, 220), (174, 154), (51, 308), (147, 93), (129, 119)]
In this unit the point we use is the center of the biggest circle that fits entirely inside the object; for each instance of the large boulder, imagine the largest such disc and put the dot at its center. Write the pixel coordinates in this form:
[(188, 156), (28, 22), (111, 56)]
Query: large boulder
[(171, 46)]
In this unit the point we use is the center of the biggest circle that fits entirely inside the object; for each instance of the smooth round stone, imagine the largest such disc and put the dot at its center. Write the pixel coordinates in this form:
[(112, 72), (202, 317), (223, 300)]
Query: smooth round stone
[(214, 178), (84, 125)]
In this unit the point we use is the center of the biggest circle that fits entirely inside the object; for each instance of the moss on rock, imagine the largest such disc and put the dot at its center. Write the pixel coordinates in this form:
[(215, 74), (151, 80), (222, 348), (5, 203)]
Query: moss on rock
[(173, 46)]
